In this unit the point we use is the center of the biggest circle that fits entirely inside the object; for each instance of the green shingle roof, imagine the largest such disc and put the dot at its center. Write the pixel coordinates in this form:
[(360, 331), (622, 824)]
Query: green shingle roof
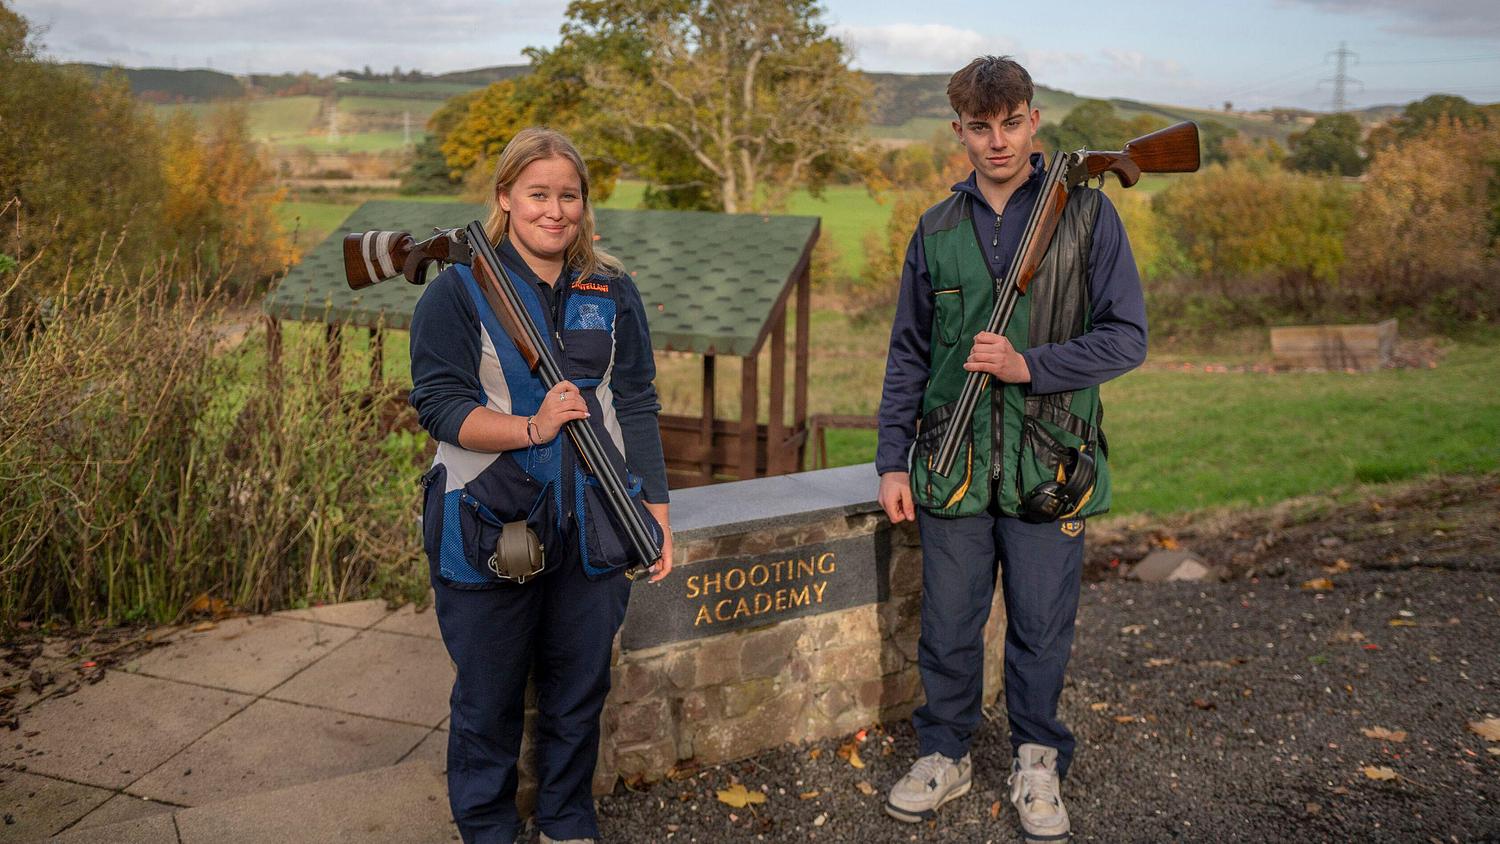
[(709, 281)]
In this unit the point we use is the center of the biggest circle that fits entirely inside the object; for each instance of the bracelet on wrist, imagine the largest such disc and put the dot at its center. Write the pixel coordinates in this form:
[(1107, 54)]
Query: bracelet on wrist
[(530, 424)]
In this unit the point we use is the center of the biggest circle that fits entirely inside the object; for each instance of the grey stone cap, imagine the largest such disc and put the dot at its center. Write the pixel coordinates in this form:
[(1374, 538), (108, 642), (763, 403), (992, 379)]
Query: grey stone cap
[(706, 512)]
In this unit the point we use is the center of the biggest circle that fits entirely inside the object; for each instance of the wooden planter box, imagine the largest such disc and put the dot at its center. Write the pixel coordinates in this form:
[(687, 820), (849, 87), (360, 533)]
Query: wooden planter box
[(1361, 347)]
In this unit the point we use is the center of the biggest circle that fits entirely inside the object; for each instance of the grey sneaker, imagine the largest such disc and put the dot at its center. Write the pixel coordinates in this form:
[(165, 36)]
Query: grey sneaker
[(932, 781), (1034, 792), (548, 840)]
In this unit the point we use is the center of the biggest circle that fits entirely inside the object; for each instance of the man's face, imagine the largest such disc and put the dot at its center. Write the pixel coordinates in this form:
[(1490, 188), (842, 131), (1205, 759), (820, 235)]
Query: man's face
[(999, 146)]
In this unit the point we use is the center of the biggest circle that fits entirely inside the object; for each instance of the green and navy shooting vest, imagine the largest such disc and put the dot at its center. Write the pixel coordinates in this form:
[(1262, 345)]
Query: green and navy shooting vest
[(1014, 440)]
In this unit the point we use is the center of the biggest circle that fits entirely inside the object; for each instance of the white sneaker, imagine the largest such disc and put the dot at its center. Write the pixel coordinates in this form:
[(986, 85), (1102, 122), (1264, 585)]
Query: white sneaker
[(1034, 792), (932, 781)]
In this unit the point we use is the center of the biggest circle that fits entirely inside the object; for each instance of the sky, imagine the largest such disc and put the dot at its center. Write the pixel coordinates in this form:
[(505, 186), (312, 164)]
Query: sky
[(1255, 53)]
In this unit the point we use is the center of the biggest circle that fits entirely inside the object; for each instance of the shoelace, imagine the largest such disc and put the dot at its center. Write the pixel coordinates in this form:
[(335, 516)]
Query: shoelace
[(1040, 785), (926, 769)]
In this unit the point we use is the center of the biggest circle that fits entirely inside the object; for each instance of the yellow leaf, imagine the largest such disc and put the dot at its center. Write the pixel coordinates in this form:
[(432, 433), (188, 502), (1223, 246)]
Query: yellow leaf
[(1339, 566), (737, 796), (1488, 729), (1124, 719), (1318, 584), (1381, 773), (204, 627), (1382, 734), (1099, 707), (1169, 543), (809, 795), (1402, 622), (850, 752), (815, 754), (865, 788), (1158, 662)]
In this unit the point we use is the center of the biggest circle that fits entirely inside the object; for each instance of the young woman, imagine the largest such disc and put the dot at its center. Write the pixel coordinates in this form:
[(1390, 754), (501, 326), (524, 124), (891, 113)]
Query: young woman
[(501, 461)]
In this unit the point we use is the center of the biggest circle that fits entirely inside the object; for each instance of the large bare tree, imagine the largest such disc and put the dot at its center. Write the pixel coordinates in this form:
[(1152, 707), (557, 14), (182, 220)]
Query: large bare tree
[(720, 103)]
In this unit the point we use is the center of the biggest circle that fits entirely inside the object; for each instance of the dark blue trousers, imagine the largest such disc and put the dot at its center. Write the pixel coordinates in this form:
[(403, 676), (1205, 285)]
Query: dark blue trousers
[(562, 626), (1041, 568)]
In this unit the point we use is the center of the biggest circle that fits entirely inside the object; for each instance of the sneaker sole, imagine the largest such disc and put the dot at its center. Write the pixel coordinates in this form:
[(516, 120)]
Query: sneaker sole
[(1041, 838), (917, 817)]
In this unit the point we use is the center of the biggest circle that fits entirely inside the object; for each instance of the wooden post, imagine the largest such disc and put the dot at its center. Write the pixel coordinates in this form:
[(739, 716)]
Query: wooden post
[(377, 357), (749, 397), (333, 336), (799, 389), (706, 424), (777, 460)]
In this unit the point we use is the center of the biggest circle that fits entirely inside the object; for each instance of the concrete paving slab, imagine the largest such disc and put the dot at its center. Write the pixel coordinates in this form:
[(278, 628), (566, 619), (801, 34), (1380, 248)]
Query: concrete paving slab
[(384, 675), (249, 655), (413, 622), (154, 829), (273, 745), (110, 733), (394, 805), (36, 806), (433, 751), (360, 614), (120, 809)]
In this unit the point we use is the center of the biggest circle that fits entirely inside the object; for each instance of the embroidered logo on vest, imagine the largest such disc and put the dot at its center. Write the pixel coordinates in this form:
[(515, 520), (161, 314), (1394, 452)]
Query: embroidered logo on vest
[(596, 286)]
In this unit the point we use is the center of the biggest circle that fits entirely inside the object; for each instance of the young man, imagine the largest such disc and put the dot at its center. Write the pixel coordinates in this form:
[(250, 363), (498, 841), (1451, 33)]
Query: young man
[(1081, 322)]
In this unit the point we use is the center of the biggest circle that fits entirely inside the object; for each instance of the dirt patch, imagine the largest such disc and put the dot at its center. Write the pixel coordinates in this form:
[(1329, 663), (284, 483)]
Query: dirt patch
[(1451, 522)]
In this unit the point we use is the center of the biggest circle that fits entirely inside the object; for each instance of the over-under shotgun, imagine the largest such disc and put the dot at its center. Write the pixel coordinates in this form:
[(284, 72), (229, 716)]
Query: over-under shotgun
[(1170, 150)]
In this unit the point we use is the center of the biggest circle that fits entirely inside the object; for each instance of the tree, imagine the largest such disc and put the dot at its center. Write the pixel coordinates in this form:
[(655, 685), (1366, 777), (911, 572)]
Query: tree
[(1249, 218), (488, 123), (1211, 137), (1330, 145), (1425, 222), (737, 101)]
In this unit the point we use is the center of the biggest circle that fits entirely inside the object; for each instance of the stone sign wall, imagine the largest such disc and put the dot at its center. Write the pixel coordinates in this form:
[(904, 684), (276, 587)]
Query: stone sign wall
[(792, 614)]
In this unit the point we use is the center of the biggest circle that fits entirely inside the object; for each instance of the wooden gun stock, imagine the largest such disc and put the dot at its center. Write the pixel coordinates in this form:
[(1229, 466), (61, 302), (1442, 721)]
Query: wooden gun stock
[(374, 256), (1170, 150)]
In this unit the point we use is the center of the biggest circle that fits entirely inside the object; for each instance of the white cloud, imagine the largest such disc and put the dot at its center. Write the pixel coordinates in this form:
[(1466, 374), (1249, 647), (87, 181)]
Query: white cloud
[(918, 47)]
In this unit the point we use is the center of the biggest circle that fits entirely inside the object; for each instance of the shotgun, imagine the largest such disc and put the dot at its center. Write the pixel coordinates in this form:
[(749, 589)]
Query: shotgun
[(373, 256), (1170, 150)]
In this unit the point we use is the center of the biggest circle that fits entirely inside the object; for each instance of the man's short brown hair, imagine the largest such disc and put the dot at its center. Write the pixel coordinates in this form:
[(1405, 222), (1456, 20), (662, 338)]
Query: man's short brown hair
[(990, 86)]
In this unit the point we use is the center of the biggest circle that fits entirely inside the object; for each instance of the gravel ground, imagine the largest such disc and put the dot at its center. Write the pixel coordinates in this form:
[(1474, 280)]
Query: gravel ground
[(1227, 711)]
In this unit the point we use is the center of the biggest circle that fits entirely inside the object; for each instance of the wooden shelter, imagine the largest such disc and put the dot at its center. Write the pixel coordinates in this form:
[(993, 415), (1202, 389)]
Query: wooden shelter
[(713, 285)]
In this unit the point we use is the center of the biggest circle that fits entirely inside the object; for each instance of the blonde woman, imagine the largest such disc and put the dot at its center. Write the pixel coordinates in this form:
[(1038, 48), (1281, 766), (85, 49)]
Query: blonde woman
[(501, 461)]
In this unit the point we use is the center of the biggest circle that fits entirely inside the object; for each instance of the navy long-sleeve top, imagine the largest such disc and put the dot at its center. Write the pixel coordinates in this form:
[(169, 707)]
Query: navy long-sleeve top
[(1114, 344), (446, 352)]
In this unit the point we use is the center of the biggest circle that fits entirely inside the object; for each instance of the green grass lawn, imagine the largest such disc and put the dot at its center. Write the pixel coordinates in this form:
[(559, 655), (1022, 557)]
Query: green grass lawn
[(1183, 441)]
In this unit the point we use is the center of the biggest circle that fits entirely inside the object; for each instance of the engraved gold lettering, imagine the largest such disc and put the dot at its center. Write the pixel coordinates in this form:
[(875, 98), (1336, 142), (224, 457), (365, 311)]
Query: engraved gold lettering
[(799, 597), (703, 616), (729, 584), (826, 565), (780, 600), (719, 609), (716, 576), (741, 608), (805, 567), (763, 572), (819, 587), (762, 603), (693, 589)]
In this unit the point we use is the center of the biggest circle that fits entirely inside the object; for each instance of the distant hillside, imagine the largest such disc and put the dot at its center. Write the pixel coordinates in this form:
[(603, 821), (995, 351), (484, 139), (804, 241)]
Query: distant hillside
[(165, 85), (485, 75)]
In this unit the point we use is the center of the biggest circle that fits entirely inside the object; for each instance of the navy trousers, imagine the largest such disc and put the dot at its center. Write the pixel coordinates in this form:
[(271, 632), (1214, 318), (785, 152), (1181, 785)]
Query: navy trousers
[(1041, 568), (562, 626)]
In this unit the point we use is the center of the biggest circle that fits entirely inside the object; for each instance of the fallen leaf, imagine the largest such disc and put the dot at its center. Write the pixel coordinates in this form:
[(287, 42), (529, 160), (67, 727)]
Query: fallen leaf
[(1204, 703), (204, 627), (739, 797), (1402, 622), (1339, 566), (1168, 543), (809, 795), (865, 788), (1317, 584), (1381, 773), (815, 753), (1488, 729), (1099, 707), (1382, 734), (204, 605), (1132, 630), (1158, 662), (995, 810), (1313, 808), (1493, 751), (1124, 719), (1339, 790), (850, 752)]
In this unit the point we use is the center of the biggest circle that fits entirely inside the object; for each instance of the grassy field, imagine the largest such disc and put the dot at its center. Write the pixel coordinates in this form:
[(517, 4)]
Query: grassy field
[(1186, 440)]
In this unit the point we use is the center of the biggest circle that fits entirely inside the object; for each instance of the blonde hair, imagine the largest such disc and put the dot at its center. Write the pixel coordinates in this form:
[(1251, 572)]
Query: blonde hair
[(535, 144)]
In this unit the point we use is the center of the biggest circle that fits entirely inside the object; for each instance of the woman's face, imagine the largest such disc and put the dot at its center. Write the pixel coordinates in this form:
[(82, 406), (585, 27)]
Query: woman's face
[(545, 206)]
